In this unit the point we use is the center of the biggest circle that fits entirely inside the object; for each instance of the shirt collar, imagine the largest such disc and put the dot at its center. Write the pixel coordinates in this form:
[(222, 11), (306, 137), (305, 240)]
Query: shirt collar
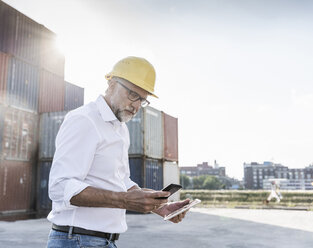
[(105, 110)]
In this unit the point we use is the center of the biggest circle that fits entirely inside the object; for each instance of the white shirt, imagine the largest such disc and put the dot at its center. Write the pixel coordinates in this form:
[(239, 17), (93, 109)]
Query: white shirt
[(91, 150)]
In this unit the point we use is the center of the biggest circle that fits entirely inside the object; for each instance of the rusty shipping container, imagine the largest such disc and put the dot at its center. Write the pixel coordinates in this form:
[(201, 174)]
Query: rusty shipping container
[(4, 60), (20, 36), (22, 85), (146, 172), (170, 137), (51, 92), (74, 96), (146, 133), (16, 186), (49, 126), (51, 58), (18, 134)]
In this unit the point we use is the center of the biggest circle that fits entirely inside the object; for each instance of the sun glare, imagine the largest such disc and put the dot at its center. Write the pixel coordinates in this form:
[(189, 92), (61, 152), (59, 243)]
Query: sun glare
[(60, 45)]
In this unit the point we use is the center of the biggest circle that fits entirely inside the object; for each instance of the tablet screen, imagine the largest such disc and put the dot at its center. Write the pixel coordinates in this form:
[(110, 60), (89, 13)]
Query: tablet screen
[(183, 209)]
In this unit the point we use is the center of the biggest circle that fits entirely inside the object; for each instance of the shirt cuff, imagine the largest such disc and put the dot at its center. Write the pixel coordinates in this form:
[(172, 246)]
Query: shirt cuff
[(72, 188), (129, 183)]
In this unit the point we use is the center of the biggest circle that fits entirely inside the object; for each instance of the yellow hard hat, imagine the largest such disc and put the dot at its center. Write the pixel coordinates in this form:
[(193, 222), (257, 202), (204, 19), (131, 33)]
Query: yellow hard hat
[(137, 71)]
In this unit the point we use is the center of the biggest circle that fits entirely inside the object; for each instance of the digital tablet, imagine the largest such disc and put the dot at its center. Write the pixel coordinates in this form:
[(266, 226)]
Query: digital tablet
[(183, 209)]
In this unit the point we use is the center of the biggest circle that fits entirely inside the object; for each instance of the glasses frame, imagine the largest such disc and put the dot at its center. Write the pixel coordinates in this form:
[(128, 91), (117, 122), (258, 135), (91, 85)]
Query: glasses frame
[(143, 101)]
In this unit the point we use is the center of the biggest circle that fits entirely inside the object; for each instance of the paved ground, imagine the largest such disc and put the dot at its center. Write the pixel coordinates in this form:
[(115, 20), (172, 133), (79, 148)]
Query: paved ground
[(231, 228)]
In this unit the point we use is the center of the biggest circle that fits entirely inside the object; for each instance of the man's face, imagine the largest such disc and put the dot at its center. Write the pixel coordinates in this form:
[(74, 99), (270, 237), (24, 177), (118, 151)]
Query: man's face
[(123, 108)]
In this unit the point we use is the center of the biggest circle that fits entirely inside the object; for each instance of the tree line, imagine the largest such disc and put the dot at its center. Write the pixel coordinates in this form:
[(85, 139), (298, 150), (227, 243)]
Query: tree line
[(204, 182)]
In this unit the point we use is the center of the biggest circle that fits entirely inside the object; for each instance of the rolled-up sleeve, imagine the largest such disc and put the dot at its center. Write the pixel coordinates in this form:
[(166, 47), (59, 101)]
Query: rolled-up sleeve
[(129, 183), (76, 144)]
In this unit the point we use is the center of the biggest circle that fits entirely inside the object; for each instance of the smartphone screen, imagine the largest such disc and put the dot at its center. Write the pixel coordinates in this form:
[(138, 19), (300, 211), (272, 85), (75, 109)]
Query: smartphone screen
[(172, 188)]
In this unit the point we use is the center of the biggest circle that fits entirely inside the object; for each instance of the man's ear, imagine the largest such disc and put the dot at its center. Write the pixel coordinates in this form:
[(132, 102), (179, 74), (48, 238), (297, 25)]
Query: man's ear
[(111, 86)]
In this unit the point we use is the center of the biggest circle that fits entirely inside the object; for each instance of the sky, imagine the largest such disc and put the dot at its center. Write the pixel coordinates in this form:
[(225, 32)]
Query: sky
[(237, 73)]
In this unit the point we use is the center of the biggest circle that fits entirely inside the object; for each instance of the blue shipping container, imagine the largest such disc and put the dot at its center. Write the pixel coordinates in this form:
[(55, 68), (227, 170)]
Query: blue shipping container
[(74, 96), (44, 202), (49, 126), (153, 174), (22, 85), (136, 170), (147, 173)]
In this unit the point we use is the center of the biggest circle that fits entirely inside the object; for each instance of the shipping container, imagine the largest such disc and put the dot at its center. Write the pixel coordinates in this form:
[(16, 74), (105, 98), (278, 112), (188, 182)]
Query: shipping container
[(146, 172), (171, 175), (137, 171), (43, 201), (74, 96), (16, 186), (153, 174), (170, 137), (22, 85), (18, 134), (4, 60), (20, 35), (7, 23), (51, 92), (48, 129), (136, 134), (2, 114), (146, 133), (51, 59)]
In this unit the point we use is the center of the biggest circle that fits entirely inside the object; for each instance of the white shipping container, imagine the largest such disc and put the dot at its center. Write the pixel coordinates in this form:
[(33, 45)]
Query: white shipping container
[(146, 133), (171, 175)]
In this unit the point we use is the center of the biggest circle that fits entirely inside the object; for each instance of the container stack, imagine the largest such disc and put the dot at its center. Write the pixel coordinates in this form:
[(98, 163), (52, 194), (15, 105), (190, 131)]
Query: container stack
[(170, 152), (31, 83), (34, 99), (49, 126), (18, 144), (153, 151), (146, 148)]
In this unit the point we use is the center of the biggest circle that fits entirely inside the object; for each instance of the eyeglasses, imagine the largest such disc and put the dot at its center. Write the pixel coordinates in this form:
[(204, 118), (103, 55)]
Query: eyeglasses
[(133, 96)]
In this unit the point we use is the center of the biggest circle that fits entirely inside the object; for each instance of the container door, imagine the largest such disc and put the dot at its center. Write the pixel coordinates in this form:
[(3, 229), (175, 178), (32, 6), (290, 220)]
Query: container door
[(44, 201), (153, 174), (136, 170)]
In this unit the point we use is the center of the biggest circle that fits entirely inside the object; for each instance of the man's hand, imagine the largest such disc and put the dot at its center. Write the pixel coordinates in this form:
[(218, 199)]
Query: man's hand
[(141, 200), (171, 207)]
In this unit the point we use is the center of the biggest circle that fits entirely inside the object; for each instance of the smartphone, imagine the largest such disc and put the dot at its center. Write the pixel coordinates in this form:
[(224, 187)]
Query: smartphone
[(172, 188)]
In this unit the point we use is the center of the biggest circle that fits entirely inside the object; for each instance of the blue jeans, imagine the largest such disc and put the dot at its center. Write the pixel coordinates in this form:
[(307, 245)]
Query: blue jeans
[(64, 240)]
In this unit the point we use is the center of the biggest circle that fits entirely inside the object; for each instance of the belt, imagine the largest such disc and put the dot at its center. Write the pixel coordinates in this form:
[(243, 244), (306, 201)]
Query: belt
[(79, 230)]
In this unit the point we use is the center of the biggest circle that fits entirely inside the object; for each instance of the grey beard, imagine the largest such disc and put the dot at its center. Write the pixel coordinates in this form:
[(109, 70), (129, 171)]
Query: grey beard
[(123, 117)]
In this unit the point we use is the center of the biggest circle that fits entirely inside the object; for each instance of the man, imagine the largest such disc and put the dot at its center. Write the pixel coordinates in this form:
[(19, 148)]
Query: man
[(90, 185), (275, 193)]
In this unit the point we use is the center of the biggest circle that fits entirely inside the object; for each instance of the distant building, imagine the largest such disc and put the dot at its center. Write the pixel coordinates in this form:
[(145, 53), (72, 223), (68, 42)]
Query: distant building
[(203, 169), (290, 184), (255, 173)]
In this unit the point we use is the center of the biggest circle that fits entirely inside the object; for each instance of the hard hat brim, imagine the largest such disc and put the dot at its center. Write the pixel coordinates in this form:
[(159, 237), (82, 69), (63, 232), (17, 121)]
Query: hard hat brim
[(110, 75)]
